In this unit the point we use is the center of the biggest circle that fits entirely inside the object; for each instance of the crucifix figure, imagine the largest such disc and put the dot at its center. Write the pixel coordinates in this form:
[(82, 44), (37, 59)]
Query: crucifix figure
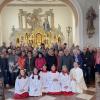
[(90, 16)]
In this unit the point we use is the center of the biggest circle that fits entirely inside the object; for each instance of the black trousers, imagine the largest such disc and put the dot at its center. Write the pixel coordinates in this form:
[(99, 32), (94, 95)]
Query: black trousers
[(5, 75), (12, 78)]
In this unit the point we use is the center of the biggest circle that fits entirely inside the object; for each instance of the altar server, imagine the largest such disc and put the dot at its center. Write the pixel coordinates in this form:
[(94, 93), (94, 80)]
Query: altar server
[(77, 80), (21, 86), (65, 80), (44, 79), (54, 82), (35, 86)]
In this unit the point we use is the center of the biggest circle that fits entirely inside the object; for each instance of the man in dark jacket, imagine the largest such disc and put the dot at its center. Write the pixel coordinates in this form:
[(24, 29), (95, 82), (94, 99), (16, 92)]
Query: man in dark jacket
[(29, 63), (67, 59), (88, 64), (51, 59), (4, 69)]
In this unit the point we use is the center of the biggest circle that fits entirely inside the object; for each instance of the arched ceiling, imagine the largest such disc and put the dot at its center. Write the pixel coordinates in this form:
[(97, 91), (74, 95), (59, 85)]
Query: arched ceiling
[(3, 3), (35, 1), (23, 2)]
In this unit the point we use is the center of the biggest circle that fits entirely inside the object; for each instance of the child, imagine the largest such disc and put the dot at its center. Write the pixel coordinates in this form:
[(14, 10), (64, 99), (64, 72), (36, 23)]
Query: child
[(21, 86), (77, 80), (35, 86), (65, 81), (44, 79), (40, 61), (54, 82)]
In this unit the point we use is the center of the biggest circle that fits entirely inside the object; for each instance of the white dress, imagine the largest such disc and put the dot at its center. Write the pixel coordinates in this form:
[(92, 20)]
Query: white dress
[(21, 85), (35, 86), (44, 79), (54, 86), (77, 85), (65, 82)]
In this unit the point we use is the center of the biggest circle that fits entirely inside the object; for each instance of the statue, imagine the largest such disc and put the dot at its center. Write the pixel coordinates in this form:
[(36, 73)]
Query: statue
[(13, 29), (46, 25), (90, 16), (34, 19), (59, 28)]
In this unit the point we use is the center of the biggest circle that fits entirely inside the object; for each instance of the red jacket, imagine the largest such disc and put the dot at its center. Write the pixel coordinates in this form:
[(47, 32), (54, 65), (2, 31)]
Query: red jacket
[(40, 62), (21, 62)]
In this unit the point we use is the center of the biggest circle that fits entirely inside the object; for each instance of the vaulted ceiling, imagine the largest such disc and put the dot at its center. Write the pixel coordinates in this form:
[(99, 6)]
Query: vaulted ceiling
[(36, 2), (30, 2), (1, 1)]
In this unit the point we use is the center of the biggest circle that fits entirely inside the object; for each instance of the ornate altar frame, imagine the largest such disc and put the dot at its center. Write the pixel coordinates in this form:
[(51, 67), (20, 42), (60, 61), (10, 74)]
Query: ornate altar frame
[(34, 33)]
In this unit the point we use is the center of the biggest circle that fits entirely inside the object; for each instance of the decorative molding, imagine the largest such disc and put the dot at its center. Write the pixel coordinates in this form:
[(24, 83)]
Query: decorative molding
[(40, 5), (4, 3)]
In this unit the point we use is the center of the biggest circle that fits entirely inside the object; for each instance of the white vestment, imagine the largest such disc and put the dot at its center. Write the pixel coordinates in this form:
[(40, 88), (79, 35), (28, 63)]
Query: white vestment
[(77, 85), (54, 86), (65, 82), (44, 79), (21, 85), (35, 86)]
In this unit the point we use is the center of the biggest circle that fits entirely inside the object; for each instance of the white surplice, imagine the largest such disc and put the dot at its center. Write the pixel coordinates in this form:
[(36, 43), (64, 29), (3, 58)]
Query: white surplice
[(35, 86), (65, 82), (21, 85), (77, 85), (44, 79), (54, 86)]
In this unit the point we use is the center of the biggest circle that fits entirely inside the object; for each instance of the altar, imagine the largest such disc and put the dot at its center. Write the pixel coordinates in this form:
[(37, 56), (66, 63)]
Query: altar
[(36, 28)]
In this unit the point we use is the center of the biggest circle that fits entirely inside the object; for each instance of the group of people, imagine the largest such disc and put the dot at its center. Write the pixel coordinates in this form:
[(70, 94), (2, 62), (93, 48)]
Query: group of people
[(29, 59), (50, 82)]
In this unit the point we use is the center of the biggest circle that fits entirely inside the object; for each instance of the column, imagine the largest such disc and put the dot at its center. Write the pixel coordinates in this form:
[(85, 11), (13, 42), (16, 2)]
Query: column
[(0, 31), (20, 18), (52, 19), (25, 16)]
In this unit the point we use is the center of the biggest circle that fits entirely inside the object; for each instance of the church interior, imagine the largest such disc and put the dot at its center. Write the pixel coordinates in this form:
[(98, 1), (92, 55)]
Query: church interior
[(30, 23)]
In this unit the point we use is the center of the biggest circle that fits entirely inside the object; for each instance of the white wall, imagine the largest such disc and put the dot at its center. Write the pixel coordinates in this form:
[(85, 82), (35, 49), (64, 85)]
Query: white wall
[(0, 30), (63, 17)]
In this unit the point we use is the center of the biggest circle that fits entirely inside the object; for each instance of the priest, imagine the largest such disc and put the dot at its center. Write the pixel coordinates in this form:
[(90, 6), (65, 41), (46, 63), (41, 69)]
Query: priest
[(77, 80)]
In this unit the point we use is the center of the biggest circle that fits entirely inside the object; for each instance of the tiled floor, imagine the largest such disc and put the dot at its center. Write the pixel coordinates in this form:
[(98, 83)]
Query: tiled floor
[(91, 94), (87, 95)]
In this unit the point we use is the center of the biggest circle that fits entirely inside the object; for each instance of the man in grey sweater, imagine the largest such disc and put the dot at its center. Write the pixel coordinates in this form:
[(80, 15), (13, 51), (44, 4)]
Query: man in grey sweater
[(67, 59)]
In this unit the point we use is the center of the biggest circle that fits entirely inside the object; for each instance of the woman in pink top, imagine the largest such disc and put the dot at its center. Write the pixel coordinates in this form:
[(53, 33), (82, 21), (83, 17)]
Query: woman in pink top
[(97, 61), (40, 61)]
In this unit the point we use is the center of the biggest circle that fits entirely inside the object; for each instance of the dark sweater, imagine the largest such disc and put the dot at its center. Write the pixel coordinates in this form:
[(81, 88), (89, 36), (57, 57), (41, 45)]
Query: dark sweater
[(68, 61), (50, 60)]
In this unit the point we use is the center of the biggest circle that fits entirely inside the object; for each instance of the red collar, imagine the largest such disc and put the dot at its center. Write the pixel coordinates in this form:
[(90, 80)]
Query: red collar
[(44, 71), (53, 71)]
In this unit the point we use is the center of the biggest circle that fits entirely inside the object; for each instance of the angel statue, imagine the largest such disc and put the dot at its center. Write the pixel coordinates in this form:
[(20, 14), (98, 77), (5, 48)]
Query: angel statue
[(90, 16)]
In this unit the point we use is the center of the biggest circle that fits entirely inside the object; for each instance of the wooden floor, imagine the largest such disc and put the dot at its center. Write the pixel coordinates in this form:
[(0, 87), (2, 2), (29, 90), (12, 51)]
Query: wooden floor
[(93, 93)]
